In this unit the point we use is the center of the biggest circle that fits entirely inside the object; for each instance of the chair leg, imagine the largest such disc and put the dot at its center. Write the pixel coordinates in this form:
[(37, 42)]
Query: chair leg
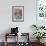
[(5, 43), (5, 40)]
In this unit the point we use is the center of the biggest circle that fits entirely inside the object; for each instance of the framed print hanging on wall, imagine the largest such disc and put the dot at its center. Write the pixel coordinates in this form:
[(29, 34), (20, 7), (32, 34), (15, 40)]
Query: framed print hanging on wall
[(17, 13), (41, 8), (41, 12)]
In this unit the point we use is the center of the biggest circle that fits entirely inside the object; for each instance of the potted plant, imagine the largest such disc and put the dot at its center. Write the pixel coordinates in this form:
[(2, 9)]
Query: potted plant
[(39, 35)]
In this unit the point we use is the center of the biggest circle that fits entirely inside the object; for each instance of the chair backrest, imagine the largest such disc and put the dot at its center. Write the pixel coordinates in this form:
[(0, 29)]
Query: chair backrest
[(14, 30)]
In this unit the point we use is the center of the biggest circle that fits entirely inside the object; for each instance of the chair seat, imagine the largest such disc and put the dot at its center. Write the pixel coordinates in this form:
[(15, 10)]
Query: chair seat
[(9, 34)]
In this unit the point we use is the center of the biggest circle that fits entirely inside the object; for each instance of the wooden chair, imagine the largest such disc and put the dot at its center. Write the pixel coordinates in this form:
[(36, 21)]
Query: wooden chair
[(7, 34), (26, 37)]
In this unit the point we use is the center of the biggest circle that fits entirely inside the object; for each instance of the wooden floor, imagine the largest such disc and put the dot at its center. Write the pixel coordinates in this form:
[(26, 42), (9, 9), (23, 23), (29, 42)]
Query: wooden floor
[(13, 44)]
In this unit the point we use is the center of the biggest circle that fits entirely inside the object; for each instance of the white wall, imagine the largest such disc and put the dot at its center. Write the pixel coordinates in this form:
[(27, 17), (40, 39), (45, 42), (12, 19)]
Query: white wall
[(6, 15)]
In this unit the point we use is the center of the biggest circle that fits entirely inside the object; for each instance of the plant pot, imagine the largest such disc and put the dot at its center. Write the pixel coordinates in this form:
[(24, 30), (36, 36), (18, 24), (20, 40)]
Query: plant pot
[(42, 40), (38, 40)]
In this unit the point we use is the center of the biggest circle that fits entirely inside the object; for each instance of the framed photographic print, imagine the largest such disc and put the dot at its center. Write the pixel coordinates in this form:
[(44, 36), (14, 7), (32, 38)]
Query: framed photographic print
[(17, 13), (41, 12), (41, 8)]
